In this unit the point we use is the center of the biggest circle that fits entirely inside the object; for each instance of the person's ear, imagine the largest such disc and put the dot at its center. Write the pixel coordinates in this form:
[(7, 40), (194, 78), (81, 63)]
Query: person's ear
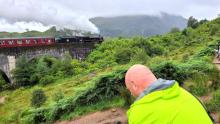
[(134, 86)]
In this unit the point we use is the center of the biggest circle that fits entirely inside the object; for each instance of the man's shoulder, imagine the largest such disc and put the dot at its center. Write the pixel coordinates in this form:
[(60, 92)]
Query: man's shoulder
[(157, 95), (139, 114)]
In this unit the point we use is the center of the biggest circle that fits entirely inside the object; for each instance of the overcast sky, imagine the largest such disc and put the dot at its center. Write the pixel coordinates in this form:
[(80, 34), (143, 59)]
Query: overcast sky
[(18, 15)]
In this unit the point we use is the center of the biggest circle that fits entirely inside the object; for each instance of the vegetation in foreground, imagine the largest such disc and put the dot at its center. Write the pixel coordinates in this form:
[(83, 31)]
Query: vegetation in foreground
[(73, 88)]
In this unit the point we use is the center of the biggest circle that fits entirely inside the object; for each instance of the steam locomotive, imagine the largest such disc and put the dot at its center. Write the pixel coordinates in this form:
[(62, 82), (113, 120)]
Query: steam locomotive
[(41, 41)]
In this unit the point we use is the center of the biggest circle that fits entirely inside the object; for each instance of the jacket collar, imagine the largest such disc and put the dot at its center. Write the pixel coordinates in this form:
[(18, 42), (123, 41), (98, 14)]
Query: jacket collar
[(160, 84)]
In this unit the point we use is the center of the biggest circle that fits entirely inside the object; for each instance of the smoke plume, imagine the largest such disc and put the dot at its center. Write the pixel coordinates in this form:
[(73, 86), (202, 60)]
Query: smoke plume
[(17, 15)]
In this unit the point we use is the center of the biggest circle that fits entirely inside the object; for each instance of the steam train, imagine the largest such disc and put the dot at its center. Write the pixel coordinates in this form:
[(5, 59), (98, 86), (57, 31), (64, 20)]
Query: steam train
[(41, 41)]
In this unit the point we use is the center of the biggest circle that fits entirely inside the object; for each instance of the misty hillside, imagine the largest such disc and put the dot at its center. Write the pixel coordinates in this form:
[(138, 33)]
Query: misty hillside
[(51, 32), (142, 25)]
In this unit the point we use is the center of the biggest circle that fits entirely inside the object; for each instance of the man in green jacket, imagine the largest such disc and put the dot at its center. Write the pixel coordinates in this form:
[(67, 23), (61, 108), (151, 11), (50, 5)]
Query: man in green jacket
[(161, 101)]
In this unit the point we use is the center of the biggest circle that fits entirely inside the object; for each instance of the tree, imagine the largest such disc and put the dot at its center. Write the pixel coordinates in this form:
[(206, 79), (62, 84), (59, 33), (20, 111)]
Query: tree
[(41, 70), (23, 72), (203, 21), (192, 22)]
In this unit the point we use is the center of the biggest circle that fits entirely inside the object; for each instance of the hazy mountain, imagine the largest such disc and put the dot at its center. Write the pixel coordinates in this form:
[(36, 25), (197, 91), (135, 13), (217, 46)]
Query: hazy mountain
[(144, 25)]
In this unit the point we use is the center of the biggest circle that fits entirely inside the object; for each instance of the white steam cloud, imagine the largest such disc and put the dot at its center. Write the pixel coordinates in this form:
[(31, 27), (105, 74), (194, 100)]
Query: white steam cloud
[(22, 26), (17, 15)]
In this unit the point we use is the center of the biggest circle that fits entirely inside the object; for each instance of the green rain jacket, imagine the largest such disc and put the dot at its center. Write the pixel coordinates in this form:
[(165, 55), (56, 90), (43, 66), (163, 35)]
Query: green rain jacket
[(169, 105)]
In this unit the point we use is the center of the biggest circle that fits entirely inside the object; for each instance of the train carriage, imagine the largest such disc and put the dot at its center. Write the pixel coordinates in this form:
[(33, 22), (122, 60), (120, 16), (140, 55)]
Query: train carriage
[(41, 41), (22, 42)]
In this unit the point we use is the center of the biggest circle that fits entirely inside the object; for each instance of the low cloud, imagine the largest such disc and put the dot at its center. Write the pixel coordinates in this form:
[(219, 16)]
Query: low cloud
[(40, 15)]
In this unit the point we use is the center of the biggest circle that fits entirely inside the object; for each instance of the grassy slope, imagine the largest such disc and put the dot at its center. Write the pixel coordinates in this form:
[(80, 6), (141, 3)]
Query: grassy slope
[(19, 100)]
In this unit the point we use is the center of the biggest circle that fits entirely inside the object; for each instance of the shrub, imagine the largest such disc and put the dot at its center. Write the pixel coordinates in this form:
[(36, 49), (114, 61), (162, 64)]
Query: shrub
[(200, 79), (104, 87), (170, 71), (61, 108), (36, 117), (58, 96), (214, 29), (3, 83), (79, 66), (123, 55), (211, 107), (126, 95), (216, 97), (175, 30), (208, 51), (214, 104), (185, 57), (198, 90), (46, 80), (149, 47), (66, 65), (107, 87), (214, 77), (140, 56), (185, 32), (195, 65), (38, 98)]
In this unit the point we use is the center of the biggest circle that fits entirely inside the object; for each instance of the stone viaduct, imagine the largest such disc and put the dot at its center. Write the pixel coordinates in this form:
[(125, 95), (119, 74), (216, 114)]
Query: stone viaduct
[(8, 56)]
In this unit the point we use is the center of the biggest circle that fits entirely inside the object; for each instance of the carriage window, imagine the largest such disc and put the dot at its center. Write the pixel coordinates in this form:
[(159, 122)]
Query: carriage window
[(43, 40), (10, 42), (2, 42), (27, 41), (35, 41), (19, 42)]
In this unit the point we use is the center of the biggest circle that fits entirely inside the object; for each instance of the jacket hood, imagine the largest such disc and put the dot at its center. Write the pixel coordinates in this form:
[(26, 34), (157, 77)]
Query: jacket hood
[(166, 92)]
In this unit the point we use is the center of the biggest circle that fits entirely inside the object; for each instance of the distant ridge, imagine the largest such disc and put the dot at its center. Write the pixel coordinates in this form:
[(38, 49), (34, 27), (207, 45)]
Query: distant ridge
[(138, 25)]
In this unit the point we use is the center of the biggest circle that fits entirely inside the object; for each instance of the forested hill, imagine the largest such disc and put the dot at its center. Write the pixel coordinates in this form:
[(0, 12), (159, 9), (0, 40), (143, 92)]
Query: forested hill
[(142, 25)]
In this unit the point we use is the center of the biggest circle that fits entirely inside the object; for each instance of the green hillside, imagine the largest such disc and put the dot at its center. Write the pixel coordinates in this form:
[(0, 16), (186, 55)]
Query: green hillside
[(138, 25), (48, 33), (98, 82)]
